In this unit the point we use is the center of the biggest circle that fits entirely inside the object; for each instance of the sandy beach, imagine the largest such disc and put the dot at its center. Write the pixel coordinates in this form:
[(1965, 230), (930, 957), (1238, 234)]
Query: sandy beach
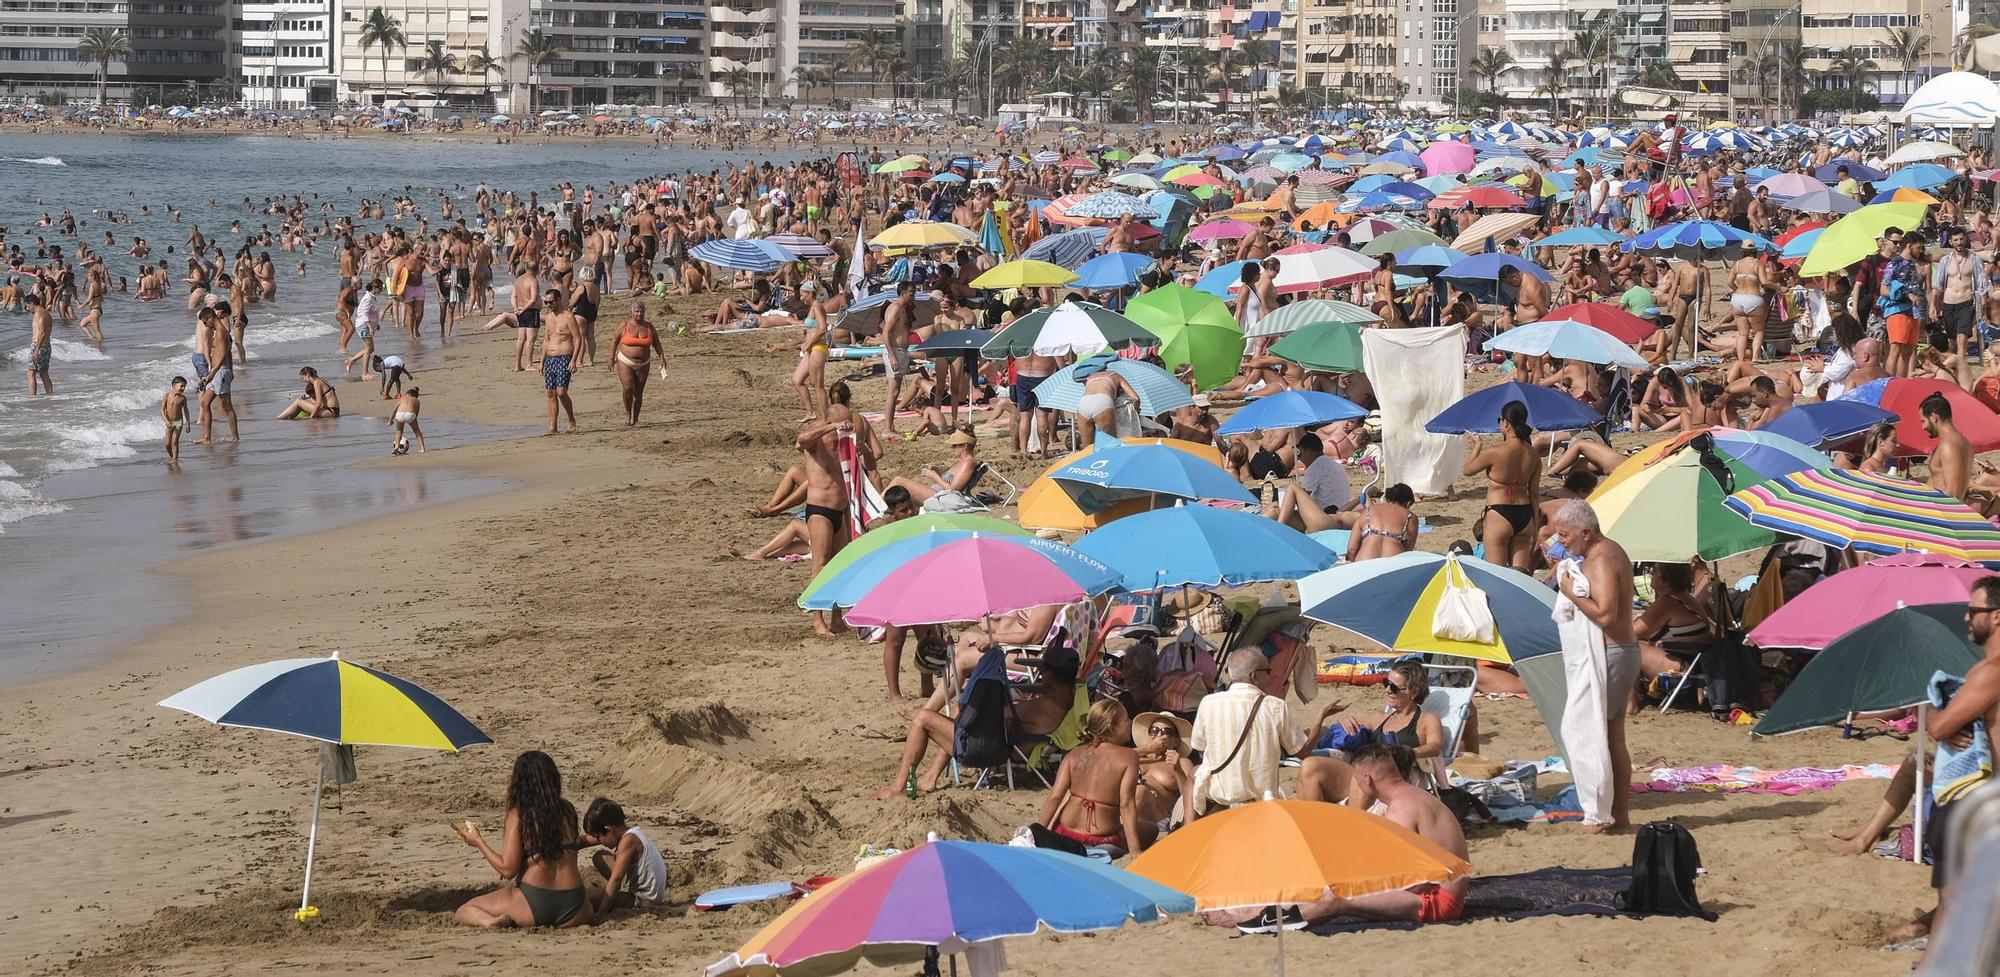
[(591, 610)]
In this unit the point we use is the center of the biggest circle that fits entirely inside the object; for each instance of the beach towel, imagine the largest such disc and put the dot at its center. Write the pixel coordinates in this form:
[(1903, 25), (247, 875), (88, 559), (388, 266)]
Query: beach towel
[(1958, 771), (1721, 778), (1525, 895), (1586, 676), (1417, 373), (864, 503)]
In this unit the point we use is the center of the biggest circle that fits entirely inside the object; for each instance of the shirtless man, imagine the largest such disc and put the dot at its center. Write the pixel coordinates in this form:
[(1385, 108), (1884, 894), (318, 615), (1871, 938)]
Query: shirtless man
[(897, 321), (215, 387), (1684, 282), (1607, 576), (526, 317), (1379, 777), (826, 504), (41, 326), (1770, 400), (1954, 286), (559, 345), (457, 261), (1531, 298), (1120, 238), (1951, 460)]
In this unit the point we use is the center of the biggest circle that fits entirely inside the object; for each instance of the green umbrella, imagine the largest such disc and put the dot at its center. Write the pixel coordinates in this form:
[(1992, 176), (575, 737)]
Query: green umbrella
[(1332, 347), (1401, 239), (1194, 328), (1884, 664), (1118, 155), (1072, 328), (882, 535), (1852, 238)]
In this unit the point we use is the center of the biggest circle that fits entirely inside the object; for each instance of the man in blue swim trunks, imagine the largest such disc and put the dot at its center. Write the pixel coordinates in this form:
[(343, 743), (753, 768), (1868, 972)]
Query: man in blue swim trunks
[(559, 338)]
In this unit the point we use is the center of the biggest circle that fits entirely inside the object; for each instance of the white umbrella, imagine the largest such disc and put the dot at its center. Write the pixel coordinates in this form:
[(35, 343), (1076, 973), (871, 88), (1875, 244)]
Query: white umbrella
[(1919, 152), (1303, 271)]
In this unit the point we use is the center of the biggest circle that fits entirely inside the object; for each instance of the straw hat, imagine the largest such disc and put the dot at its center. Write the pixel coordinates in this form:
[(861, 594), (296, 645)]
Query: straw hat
[(1185, 603), (1143, 740), (960, 437)]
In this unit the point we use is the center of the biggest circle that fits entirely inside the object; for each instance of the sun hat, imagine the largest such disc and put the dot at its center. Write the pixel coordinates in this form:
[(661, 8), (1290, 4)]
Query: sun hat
[(1142, 737)]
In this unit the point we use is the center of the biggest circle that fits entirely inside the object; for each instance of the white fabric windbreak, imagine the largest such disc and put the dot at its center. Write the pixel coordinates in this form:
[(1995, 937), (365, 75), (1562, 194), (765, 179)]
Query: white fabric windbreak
[(1417, 373)]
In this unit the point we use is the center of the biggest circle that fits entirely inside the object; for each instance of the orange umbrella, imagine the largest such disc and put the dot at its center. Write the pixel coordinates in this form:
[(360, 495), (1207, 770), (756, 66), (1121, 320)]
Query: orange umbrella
[(1911, 195), (1044, 504), (1288, 852), (1319, 214)]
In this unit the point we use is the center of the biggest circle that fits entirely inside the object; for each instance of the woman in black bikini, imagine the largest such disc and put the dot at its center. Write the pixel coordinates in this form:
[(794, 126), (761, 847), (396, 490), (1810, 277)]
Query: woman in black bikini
[(1403, 723), (538, 852), (1512, 469)]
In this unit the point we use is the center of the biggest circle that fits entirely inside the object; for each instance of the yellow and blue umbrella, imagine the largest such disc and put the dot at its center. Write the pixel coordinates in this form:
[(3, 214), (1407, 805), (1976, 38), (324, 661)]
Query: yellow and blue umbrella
[(335, 702)]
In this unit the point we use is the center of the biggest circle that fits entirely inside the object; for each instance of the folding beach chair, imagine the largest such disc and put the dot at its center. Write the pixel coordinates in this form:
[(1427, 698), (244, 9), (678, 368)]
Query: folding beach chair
[(1452, 707)]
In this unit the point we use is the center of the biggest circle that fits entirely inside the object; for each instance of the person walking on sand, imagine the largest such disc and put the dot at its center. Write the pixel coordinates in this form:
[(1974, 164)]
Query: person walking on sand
[(1600, 663), (526, 317), (367, 318), (408, 406), (633, 348), (897, 321), (558, 348)]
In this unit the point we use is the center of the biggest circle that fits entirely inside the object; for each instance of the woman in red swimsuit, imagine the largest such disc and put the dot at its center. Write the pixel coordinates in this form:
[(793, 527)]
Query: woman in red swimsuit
[(1093, 801)]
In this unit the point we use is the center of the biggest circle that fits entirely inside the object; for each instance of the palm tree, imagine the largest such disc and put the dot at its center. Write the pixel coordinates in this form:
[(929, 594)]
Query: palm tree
[(437, 61), (807, 79), (1489, 64), (1290, 99), (1857, 70), (873, 55), (1198, 65), (482, 63), (740, 82), (1961, 46), (1555, 78), (1245, 60), (1142, 80), (1660, 73), (381, 28), (103, 45), (1908, 46), (539, 50), (1594, 46)]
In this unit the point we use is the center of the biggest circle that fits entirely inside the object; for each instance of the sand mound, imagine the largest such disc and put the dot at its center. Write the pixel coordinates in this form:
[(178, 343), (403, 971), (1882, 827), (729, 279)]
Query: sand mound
[(710, 722)]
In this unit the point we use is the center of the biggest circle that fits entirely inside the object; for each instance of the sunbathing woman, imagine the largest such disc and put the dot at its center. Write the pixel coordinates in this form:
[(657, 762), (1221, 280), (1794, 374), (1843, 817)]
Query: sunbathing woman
[(537, 852), (1512, 470), (790, 494), (1166, 775), (1094, 799), (1402, 722), (1674, 618), (955, 480), (1663, 408)]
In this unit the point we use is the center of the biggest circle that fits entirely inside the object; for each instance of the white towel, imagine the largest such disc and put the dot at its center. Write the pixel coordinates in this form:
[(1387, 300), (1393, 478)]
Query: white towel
[(1584, 716), (1417, 373)]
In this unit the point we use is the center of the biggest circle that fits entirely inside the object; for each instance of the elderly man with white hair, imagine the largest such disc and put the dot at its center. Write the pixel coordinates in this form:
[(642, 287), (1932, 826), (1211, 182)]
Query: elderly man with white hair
[(1600, 662), (1242, 732)]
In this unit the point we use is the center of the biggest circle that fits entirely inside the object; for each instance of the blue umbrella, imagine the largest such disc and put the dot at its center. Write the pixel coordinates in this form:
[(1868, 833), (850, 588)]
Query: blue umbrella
[(1159, 391), (1585, 236), (1202, 546), (1697, 235), (1116, 270), (1802, 245), (1110, 204), (1407, 189), (1293, 408), (1434, 257), (746, 254), (1221, 278), (1548, 410), (1917, 176), (1830, 173), (1117, 471), (1373, 181), (989, 236), (1069, 249), (1830, 422), (1402, 156), (1486, 267)]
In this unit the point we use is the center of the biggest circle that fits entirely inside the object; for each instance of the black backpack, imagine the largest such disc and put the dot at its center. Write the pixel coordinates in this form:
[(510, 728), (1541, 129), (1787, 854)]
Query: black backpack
[(979, 734), (1664, 864)]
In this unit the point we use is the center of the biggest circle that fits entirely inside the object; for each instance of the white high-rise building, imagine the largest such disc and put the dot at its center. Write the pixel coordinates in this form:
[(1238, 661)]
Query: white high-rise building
[(285, 53)]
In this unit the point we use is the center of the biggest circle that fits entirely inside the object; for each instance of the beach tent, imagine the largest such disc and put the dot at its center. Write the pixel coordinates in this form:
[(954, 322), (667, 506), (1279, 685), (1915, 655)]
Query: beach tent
[(1955, 98)]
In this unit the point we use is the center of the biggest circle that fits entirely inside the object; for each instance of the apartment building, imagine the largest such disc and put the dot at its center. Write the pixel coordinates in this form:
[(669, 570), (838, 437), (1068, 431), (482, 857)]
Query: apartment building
[(1642, 38), (378, 74), (1698, 36), (1436, 40), (174, 44), (1831, 31), (651, 53), (285, 52)]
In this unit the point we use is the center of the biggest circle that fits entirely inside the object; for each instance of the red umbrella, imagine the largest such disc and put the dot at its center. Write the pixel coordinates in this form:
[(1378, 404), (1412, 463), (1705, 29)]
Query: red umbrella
[(1485, 197), (1610, 318), (1973, 419), (1798, 229)]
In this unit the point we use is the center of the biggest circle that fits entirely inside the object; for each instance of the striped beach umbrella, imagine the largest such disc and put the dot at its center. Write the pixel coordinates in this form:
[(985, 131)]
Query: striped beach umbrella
[(801, 245), (1069, 249), (1298, 315), (742, 254), (1392, 601), (862, 564), (1869, 512), (1672, 510), (1079, 328), (332, 701), (1111, 205), (1159, 391)]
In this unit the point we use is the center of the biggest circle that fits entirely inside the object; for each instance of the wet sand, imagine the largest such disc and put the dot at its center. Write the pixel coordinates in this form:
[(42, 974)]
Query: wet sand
[(591, 611)]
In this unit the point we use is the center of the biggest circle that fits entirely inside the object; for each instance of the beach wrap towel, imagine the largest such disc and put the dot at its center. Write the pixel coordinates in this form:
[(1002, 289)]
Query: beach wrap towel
[(1958, 771), (1585, 709), (1417, 373), (864, 503)]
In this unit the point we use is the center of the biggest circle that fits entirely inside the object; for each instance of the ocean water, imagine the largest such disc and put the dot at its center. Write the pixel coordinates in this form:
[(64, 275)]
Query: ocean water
[(86, 500)]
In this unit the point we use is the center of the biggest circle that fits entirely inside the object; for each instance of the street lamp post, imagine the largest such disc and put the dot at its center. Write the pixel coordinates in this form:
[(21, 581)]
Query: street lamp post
[(1458, 59)]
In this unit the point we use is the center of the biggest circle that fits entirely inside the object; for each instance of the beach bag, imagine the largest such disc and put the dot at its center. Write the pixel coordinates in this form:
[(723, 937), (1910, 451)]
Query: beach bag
[(979, 733), (1462, 613), (1664, 864)]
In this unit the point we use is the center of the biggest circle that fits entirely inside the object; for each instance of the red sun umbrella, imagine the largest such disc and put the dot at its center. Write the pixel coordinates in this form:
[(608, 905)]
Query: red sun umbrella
[(1610, 318), (1484, 197), (1902, 395), (1797, 229)]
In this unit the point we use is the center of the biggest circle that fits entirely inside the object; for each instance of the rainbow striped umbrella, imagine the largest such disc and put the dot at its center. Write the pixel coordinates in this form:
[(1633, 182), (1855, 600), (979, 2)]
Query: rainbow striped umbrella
[(1869, 512), (947, 895)]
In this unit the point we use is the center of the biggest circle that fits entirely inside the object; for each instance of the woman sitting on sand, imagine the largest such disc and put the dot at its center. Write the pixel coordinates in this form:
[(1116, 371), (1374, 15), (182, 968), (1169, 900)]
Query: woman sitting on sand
[(1385, 526), (319, 399), (537, 852), (1094, 799), (1166, 775), (1674, 621)]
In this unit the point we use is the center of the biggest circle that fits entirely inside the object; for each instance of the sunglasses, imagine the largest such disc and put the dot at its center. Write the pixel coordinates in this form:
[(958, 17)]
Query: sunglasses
[(1971, 610), (1160, 730), (1394, 689)]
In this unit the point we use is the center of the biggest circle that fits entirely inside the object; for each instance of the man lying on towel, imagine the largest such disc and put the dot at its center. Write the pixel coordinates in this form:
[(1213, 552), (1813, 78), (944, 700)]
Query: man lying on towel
[(1382, 772)]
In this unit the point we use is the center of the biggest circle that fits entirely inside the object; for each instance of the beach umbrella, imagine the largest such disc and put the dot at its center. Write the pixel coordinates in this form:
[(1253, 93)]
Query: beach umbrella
[(957, 341), (1852, 238), (1903, 396), (1071, 328), (1203, 546), (1323, 268), (1226, 229), (947, 896), (1922, 151), (1485, 196), (800, 245), (1800, 245), (1569, 340), (1120, 269), (1448, 156), (1868, 512), (978, 577), (1548, 410), (1903, 195), (864, 317), (1830, 422), (1429, 259), (1790, 184), (1117, 471), (1069, 249), (1493, 228), (1862, 173), (1329, 347), (1672, 509), (742, 254), (1822, 201), (1111, 205), (1283, 853), (1045, 504), (1764, 453), (1136, 181), (1221, 279), (1024, 273), (1400, 239), (1194, 328), (1851, 598), (1291, 409), (1614, 320), (1699, 236), (924, 234), (336, 702), (1298, 315), (903, 164), (862, 564), (1917, 176), (1159, 391), (1487, 266)]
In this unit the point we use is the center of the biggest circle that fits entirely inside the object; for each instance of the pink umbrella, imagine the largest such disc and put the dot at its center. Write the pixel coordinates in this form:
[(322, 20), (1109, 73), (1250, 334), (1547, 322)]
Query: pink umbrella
[(1790, 185), (1851, 598), (978, 577), (1365, 229), (1449, 156), (1301, 249), (1220, 230)]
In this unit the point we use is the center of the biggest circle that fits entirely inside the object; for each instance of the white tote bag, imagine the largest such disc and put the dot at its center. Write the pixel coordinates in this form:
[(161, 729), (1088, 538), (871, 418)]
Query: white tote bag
[(1462, 613)]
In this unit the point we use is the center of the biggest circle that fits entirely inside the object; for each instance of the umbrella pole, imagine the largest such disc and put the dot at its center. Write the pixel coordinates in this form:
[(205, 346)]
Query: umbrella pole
[(1917, 799), (1281, 942), (312, 839)]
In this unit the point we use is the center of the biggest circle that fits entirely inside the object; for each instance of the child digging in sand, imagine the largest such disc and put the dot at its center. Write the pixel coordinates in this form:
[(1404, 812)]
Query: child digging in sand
[(633, 870)]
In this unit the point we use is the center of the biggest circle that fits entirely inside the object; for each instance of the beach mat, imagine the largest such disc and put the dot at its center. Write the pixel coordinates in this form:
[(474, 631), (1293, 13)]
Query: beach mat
[(1543, 892)]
